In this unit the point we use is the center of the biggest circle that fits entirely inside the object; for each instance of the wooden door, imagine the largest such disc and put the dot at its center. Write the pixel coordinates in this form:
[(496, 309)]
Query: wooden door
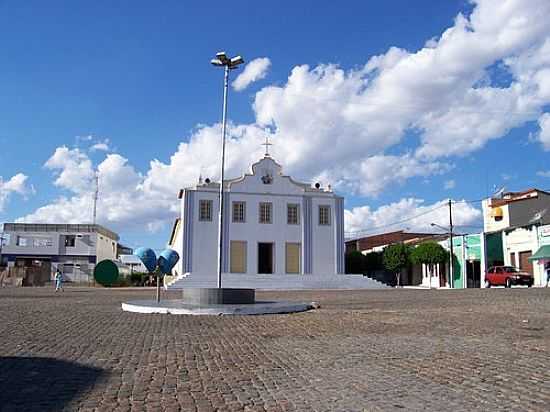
[(237, 258), (292, 258), (524, 263), (513, 259)]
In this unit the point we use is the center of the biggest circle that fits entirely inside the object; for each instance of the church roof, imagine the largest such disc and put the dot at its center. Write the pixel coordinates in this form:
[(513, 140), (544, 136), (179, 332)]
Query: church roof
[(265, 169)]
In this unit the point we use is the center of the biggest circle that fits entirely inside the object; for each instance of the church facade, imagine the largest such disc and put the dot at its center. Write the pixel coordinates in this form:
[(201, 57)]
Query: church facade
[(273, 225)]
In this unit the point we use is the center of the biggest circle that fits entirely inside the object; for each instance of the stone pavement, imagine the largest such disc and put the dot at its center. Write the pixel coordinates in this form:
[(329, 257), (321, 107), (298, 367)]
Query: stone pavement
[(368, 350)]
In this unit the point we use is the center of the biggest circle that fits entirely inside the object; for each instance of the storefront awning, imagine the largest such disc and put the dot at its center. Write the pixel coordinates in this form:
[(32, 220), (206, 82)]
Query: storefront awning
[(542, 253)]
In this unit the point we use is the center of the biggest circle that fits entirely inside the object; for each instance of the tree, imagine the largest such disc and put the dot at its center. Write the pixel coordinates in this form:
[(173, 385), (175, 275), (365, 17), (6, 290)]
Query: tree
[(355, 262), (429, 253), (396, 258)]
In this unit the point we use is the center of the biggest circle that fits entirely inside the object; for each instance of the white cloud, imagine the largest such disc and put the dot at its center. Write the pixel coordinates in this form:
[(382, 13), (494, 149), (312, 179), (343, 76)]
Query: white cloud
[(75, 169), (123, 201), (16, 184), (449, 184), (254, 71), (507, 176), (379, 172), (544, 133), (410, 214), (201, 156), (85, 138), (543, 173), (102, 146), (345, 126)]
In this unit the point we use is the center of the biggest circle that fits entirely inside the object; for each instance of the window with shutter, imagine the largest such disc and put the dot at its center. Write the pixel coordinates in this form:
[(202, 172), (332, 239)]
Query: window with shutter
[(205, 210), (324, 215), (239, 212), (293, 214), (265, 212)]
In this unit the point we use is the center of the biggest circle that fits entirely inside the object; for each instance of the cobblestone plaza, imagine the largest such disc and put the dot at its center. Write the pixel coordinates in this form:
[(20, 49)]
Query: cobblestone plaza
[(369, 350)]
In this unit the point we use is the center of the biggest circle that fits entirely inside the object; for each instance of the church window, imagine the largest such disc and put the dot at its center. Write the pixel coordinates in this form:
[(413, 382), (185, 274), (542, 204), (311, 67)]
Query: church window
[(265, 212), (324, 215), (292, 212), (205, 210), (239, 212)]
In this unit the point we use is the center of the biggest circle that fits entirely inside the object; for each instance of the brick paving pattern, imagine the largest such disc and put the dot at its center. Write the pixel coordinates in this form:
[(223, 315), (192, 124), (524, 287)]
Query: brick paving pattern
[(370, 350)]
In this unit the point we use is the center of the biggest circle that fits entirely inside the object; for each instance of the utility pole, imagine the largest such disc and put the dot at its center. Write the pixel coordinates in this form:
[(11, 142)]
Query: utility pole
[(451, 275), (1, 243)]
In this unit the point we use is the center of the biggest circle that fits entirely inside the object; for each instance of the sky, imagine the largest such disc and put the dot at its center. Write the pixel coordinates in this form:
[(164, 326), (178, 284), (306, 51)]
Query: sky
[(397, 105)]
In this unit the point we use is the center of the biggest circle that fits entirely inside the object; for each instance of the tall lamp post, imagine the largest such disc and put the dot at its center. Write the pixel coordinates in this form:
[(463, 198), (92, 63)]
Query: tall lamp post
[(228, 64)]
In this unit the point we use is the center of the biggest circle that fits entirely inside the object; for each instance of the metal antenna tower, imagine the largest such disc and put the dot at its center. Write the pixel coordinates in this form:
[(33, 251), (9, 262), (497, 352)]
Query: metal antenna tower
[(96, 195)]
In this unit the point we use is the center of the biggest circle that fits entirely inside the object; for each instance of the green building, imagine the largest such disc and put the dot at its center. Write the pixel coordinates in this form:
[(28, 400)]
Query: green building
[(471, 257)]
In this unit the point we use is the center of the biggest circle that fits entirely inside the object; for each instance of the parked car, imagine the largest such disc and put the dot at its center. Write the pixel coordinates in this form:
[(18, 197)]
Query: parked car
[(507, 276)]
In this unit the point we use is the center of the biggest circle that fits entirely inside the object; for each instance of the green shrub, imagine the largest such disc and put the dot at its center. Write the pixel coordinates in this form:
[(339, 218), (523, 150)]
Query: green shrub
[(374, 261), (138, 278), (121, 282), (355, 262)]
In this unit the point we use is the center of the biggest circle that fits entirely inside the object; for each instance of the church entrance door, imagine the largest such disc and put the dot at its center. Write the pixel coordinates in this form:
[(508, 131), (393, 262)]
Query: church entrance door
[(265, 257)]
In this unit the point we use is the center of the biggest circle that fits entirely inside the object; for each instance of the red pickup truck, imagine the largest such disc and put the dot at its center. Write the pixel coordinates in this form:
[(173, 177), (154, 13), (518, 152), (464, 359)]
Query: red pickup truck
[(507, 276)]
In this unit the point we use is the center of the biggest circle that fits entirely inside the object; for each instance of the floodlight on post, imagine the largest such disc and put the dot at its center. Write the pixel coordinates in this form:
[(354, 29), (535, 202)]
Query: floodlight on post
[(222, 57), (235, 61), (227, 63)]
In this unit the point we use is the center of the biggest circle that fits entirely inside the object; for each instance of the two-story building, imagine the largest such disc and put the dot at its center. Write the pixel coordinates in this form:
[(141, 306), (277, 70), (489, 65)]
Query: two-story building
[(43, 248), (275, 230), (520, 217)]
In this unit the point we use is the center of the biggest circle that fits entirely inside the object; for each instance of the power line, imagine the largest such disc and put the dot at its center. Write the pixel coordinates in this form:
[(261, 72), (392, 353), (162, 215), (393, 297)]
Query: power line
[(472, 226), (469, 201), (361, 231), (397, 222)]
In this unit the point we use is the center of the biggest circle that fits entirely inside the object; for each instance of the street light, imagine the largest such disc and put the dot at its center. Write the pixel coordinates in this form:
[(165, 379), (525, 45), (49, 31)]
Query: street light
[(228, 64)]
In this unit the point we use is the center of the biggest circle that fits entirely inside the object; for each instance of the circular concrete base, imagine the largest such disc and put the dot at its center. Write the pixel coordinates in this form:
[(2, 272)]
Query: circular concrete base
[(218, 296), (179, 307)]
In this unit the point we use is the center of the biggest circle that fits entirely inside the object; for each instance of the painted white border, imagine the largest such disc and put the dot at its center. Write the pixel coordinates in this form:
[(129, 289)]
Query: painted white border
[(178, 307)]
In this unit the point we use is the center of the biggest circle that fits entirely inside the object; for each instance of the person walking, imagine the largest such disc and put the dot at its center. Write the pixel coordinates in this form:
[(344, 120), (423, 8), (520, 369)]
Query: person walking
[(547, 267), (58, 280)]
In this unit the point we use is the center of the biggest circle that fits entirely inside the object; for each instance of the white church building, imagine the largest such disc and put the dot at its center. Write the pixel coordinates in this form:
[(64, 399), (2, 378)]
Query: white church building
[(277, 234)]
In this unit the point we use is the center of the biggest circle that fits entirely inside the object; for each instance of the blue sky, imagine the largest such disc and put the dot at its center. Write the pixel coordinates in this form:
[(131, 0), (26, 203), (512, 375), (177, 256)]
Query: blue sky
[(136, 77)]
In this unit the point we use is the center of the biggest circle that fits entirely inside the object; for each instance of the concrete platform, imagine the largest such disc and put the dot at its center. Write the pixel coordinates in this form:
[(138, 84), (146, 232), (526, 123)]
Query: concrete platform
[(179, 307), (219, 296)]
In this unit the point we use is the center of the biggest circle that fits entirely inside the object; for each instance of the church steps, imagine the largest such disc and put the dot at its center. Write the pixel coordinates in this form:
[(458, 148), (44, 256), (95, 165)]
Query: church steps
[(278, 282)]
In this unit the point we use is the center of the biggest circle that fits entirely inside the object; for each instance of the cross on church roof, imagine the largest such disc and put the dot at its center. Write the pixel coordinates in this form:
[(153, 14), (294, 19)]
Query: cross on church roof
[(267, 144)]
